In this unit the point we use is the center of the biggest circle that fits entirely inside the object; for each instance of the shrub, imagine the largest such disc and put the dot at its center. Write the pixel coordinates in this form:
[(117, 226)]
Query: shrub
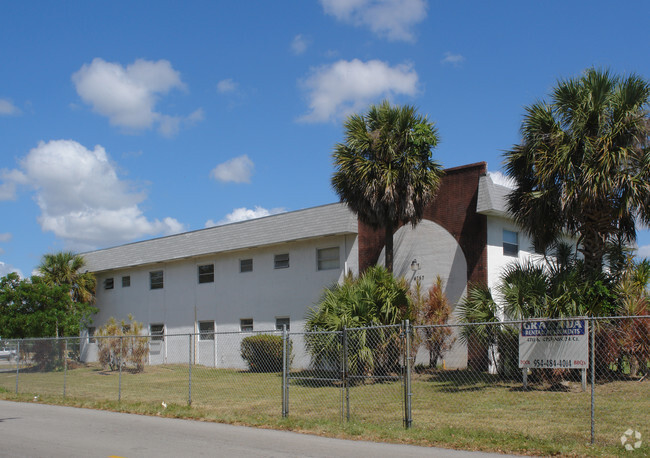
[(263, 352), (121, 343)]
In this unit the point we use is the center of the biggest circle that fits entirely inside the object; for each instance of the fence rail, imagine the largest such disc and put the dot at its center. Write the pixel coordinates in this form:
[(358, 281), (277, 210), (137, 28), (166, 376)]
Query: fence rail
[(585, 377)]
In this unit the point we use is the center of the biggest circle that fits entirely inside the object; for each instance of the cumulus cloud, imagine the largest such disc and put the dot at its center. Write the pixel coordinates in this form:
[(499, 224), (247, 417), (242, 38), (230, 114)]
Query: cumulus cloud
[(6, 269), (502, 180), (243, 214), (7, 108), (227, 85), (5, 237), (299, 44), (82, 199), (643, 252), (343, 87), (452, 59), (9, 179), (128, 95), (392, 19), (236, 170)]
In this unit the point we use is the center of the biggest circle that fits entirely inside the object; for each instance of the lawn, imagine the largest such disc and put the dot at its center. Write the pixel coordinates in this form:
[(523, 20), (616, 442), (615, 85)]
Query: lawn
[(450, 409)]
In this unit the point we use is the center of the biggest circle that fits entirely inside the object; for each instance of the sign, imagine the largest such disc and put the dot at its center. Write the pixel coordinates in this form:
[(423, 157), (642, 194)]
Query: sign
[(554, 344)]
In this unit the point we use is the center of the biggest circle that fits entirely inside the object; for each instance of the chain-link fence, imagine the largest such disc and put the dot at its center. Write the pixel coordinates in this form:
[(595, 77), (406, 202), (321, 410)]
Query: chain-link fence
[(580, 378)]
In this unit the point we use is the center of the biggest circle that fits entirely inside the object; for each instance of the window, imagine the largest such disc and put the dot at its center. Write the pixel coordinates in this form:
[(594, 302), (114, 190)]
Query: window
[(156, 279), (279, 322), (328, 258), (109, 283), (245, 265), (91, 335), (126, 281), (281, 261), (157, 331), (206, 273), (510, 243), (246, 324), (206, 330)]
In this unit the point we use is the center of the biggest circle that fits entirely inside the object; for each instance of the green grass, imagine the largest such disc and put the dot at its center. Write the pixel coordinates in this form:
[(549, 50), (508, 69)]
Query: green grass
[(450, 409)]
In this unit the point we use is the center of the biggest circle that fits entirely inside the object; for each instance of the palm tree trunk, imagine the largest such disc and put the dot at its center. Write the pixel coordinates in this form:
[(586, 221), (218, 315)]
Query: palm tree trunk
[(388, 227)]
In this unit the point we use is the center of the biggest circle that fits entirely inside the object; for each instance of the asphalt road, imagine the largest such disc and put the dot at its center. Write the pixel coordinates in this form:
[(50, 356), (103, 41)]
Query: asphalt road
[(39, 430)]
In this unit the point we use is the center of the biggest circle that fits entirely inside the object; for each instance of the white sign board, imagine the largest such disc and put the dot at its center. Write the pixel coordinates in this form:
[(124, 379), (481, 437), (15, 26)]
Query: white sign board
[(554, 344)]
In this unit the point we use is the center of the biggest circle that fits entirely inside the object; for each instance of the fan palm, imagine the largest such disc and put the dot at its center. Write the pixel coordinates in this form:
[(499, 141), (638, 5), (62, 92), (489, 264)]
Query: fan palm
[(64, 268), (583, 164), (385, 172)]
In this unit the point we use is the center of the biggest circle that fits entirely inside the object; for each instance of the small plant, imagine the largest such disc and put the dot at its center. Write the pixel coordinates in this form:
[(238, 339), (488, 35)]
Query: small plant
[(263, 352), (121, 344)]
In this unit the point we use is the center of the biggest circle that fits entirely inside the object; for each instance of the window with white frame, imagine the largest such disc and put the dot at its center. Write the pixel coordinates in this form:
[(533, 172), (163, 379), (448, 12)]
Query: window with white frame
[(245, 265), (126, 281), (510, 243), (157, 331), (109, 283), (328, 258), (246, 324), (282, 321), (281, 261), (206, 273), (206, 330), (156, 279)]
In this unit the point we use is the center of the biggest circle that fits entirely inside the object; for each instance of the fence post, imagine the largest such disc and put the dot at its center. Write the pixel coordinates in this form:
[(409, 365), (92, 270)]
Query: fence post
[(345, 375), (593, 381), (17, 365), (119, 386), (408, 419), (65, 364), (285, 364), (189, 363)]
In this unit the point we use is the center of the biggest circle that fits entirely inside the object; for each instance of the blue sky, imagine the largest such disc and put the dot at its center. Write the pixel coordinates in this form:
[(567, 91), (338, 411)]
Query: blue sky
[(122, 121)]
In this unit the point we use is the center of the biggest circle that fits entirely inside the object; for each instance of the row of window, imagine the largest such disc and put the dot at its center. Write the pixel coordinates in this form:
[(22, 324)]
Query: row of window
[(206, 329), (326, 259)]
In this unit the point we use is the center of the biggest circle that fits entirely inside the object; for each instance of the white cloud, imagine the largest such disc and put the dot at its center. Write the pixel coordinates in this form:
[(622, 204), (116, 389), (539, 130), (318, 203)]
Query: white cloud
[(344, 87), (6, 269), (244, 214), (236, 170), (10, 179), (7, 108), (453, 59), (643, 252), (502, 180), (128, 95), (299, 44), (82, 199), (393, 19), (227, 85), (5, 236)]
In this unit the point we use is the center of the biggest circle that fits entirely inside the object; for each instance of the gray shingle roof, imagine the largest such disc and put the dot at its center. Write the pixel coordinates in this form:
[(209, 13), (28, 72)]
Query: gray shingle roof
[(492, 198), (304, 224)]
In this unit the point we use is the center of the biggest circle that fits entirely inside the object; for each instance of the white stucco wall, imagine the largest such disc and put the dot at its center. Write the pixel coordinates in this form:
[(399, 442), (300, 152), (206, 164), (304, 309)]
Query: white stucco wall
[(264, 294)]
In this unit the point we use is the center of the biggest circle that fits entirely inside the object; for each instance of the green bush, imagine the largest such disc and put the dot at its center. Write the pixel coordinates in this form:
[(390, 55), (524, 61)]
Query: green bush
[(263, 352)]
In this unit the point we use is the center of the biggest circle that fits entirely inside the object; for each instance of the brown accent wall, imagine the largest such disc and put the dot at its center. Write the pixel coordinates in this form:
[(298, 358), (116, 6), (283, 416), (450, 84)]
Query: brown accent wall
[(454, 208)]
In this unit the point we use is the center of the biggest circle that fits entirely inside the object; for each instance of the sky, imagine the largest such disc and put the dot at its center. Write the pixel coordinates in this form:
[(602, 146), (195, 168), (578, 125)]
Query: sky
[(123, 121)]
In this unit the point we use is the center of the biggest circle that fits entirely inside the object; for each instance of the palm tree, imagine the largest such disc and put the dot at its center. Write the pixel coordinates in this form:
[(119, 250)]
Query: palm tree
[(64, 269), (583, 165), (385, 172)]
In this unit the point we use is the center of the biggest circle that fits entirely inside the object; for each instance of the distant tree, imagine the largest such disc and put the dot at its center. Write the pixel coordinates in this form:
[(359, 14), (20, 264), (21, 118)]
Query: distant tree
[(33, 308), (63, 269), (583, 164), (384, 170)]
